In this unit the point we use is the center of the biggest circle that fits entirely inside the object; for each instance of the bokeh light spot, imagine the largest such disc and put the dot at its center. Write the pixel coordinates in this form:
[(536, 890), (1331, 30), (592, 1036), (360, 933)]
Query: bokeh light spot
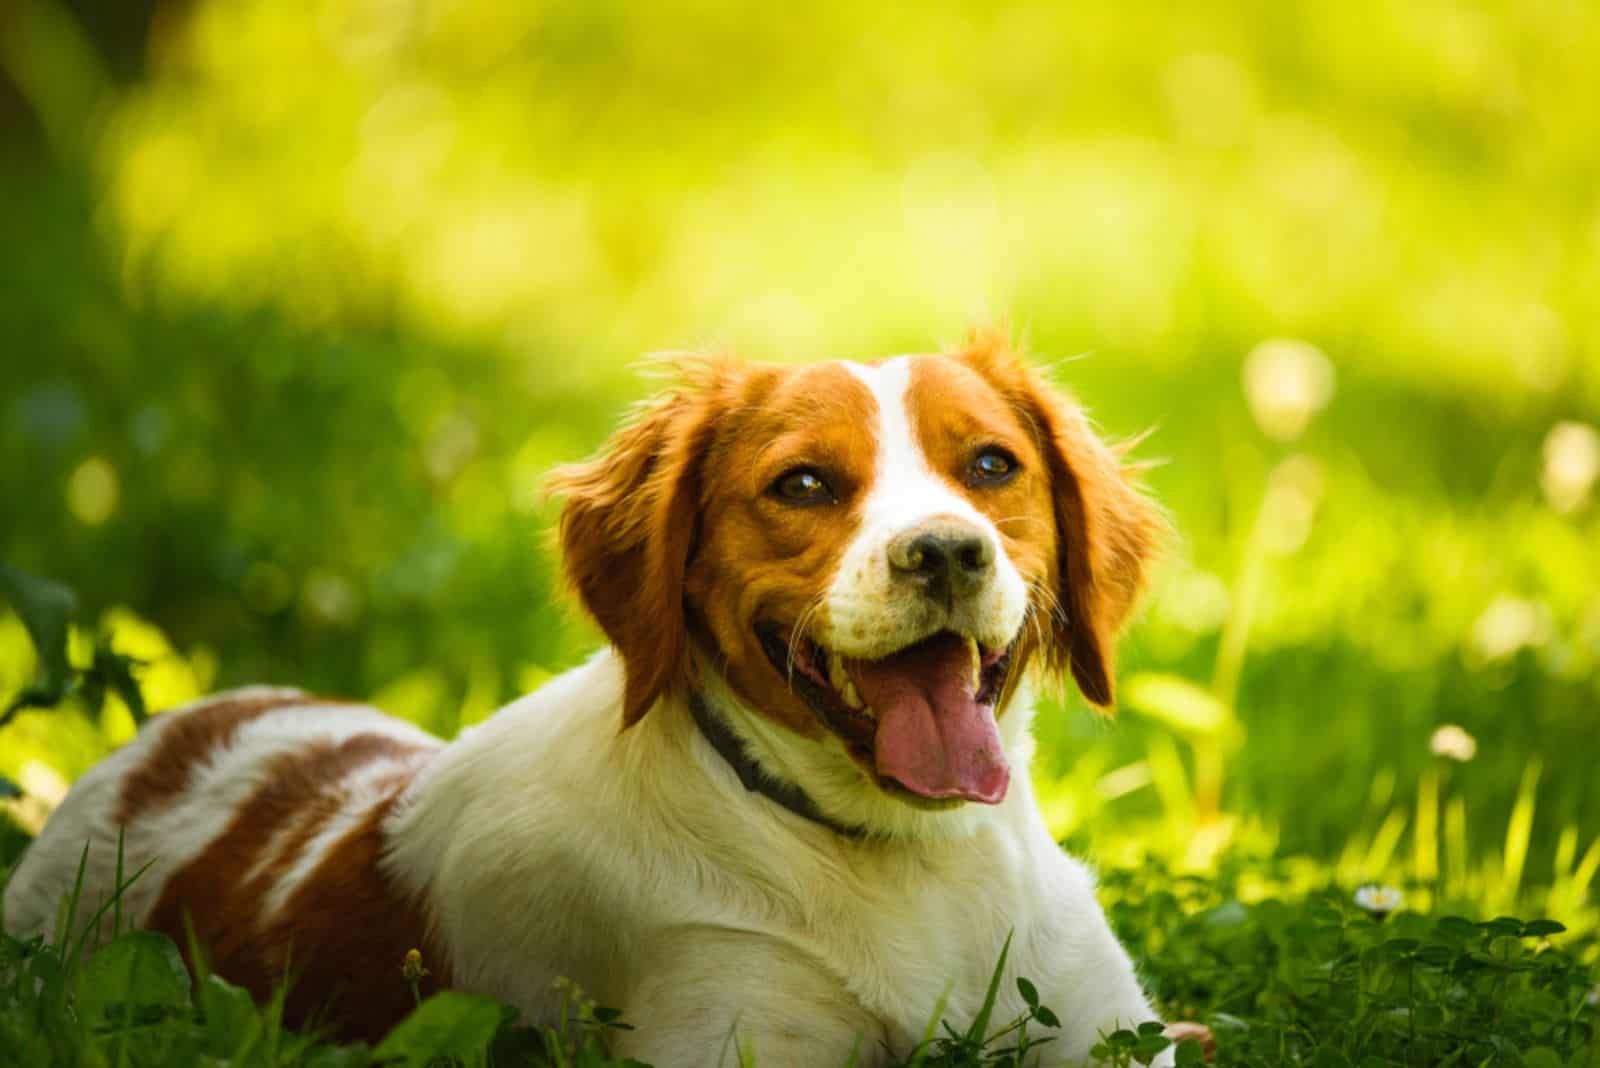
[(93, 491), (1571, 465), (1286, 383)]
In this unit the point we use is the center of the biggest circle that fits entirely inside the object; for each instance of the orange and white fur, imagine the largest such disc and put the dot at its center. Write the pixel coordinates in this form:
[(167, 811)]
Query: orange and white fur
[(857, 570)]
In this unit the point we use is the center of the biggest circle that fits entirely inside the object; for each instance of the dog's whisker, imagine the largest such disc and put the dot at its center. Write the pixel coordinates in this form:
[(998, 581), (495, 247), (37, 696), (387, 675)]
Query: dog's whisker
[(798, 634), (1018, 519)]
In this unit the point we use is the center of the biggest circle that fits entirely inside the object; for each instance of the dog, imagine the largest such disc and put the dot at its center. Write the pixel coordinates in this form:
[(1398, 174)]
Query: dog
[(787, 810)]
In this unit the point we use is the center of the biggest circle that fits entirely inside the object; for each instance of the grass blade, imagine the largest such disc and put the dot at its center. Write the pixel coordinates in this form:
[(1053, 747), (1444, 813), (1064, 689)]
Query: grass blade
[(980, 1023)]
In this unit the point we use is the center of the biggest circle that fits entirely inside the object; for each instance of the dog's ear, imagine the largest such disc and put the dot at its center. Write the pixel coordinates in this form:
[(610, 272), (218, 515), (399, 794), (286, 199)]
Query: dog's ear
[(1107, 531), (629, 526)]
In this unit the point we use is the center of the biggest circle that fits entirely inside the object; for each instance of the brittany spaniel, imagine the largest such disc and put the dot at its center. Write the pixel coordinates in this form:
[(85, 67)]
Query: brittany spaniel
[(788, 804)]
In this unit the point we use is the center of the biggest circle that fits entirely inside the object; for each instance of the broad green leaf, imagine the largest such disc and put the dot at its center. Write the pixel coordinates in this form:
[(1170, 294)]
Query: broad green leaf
[(448, 1024), (114, 672), (1149, 1046), (142, 968), (230, 1015), (46, 609), (1436, 956), (1185, 706)]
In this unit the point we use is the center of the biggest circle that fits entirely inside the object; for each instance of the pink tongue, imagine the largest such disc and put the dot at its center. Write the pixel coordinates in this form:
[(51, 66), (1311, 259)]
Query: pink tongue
[(933, 737)]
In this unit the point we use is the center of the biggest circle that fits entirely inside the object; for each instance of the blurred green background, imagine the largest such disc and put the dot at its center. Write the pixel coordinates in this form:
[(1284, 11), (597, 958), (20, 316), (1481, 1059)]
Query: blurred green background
[(300, 298)]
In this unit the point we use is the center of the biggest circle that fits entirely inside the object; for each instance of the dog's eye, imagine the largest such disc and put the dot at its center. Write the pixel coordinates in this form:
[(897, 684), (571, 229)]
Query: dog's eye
[(802, 485), (992, 466)]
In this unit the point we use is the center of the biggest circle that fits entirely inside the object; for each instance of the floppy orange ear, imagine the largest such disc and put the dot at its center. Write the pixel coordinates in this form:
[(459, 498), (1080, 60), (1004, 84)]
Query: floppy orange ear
[(1107, 532), (627, 531)]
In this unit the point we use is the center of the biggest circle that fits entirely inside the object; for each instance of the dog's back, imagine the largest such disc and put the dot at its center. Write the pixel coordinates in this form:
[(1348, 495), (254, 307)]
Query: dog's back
[(256, 816)]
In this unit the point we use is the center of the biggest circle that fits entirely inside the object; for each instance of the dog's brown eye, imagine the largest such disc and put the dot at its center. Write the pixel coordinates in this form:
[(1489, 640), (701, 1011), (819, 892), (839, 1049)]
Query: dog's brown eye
[(802, 486), (992, 466)]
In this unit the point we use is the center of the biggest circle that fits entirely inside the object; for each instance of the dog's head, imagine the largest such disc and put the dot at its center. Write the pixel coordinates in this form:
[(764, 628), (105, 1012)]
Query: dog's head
[(870, 555)]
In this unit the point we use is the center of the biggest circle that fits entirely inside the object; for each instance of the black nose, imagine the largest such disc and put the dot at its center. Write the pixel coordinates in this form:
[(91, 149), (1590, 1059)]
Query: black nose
[(949, 559)]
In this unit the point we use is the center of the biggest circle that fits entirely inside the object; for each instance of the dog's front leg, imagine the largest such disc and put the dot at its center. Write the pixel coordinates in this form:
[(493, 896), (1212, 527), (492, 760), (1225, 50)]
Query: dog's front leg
[(1081, 970), (704, 994)]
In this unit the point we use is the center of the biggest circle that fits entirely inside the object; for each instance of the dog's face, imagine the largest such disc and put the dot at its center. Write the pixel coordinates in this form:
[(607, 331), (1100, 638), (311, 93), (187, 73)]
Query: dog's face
[(871, 554)]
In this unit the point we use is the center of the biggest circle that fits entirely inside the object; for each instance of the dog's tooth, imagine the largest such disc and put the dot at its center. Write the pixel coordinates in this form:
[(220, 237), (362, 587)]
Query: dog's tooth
[(976, 659), (836, 672), (851, 695)]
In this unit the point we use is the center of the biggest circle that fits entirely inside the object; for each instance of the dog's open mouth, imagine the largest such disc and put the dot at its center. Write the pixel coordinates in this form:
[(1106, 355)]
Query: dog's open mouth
[(920, 719)]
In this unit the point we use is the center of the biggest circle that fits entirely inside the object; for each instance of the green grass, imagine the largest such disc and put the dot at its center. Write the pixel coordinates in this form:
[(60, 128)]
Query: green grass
[(1312, 980)]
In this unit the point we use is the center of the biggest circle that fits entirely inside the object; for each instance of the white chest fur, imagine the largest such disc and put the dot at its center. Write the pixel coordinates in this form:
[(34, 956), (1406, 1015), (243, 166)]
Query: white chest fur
[(637, 865)]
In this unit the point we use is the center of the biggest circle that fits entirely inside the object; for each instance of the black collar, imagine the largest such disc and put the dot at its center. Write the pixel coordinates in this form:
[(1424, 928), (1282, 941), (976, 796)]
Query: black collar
[(753, 775)]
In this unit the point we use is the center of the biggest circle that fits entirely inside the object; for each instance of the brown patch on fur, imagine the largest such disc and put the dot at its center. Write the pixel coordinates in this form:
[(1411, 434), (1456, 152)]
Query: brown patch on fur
[(958, 414), (1107, 531), (765, 560), (343, 932), (187, 739), (701, 457), (629, 526)]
